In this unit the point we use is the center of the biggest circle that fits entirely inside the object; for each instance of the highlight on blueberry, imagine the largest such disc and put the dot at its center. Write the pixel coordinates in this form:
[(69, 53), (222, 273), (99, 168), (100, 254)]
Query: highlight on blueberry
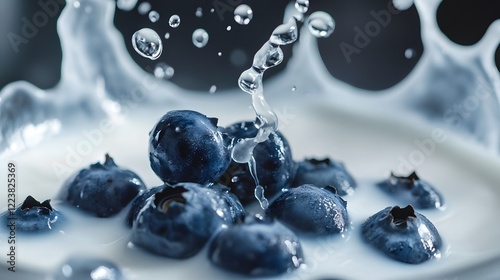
[(311, 210), (413, 190), (402, 234), (33, 216), (177, 221), (186, 146), (324, 172), (257, 247), (103, 189), (80, 268), (275, 167)]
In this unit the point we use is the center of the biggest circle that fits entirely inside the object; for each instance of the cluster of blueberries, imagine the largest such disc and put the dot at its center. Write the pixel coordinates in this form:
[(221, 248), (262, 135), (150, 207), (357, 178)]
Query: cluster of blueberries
[(204, 199)]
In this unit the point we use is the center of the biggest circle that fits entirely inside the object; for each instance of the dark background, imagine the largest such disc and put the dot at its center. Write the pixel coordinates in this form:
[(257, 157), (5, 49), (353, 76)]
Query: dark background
[(38, 61)]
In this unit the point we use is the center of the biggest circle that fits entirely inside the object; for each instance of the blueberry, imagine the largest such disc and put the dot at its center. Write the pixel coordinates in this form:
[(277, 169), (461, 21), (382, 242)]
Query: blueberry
[(275, 167), (311, 210), (186, 146), (402, 234), (412, 190), (324, 172), (177, 221), (258, 247), (33, 216), (83, 268), (102, 189)]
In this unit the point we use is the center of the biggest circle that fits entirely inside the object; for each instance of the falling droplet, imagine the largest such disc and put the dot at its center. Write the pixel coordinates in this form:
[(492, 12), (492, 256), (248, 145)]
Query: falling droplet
[(163, 71), (212, 10), (219, 53), (402, 4), (285, 33), (409, 53), (321, 24), (167, 35), (126, 5), (76, 4), (302, 5), (243, 14), (213, 89), (144, 8), (268, 56), (200, 38), (199, 12), (174, 21), (259, 194), (147, 43), (154, 16), (228, 28)]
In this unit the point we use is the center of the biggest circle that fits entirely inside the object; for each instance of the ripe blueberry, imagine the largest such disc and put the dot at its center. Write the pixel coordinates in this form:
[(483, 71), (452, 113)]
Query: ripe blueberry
[(413, 190), (102, 189), (310, 209), (275, 167), (176, 221), (324, 172), (402, 234), (186, 146), (33, 216), (258, 247)]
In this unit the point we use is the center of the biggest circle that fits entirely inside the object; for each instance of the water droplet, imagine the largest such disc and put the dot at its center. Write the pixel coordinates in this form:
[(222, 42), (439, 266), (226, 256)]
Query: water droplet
[(174, 21), (302, 5), (409, 53), (402, 4), (167, 35), (213, 89), (147, 43), (199, 12), (200, 38), (243, 14), (228, 28), (126, 5), (285, 33), (212, 10), (219, 53), (321, 24), (144, 8), (235, 179), (294, 88), (177, 129), (163, 71), (267, 56), (76, 4), (259, 194), (154, 16), (250, 80)]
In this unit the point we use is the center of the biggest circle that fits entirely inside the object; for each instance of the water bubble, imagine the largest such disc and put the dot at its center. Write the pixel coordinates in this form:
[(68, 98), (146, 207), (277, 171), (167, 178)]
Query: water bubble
[(266, 57), (402, 4), (409, 53), (302, 5), (147, 43), (126, 5), (163, 71), (200, 38), (250, 80), (199, 12), (228, 28), (243, 14), (213, 89), (285, 33), (174, 21), (144, 8), (154, 16), (321, 24), (167, 35)]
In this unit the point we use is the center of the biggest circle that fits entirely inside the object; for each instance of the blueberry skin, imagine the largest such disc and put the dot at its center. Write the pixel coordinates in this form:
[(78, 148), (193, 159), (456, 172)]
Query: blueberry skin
[(324, 172), (83, 268), (402, 234), (139, 202), (413, 190), (186, 146), (33, 216), (274, 164), (178, 220), (258, 247), (102, 189), (309, 209)]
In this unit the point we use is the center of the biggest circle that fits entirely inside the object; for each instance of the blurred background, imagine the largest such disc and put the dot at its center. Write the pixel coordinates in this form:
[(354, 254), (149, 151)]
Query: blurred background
[(380, 65)]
